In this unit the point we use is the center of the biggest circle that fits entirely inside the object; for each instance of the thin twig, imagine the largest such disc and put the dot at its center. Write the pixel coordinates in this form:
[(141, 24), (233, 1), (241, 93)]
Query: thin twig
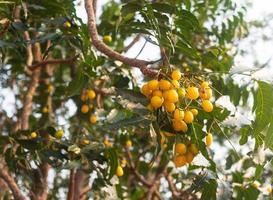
[(134, 41)]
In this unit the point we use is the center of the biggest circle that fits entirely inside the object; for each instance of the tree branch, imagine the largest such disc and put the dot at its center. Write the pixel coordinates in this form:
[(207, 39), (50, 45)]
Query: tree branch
[(53, 62), (133, 169), (141, 64), (134, 41), (11, 183)]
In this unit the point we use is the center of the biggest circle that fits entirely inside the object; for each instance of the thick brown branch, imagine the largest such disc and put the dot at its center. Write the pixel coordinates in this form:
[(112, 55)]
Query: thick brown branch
[(141, 64), (53, 62), (11, 184), (70, 195)]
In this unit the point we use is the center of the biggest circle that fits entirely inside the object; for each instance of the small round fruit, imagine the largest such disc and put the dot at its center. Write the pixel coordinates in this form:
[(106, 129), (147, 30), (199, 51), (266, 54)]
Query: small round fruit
[(164, 84), (180, 161), (207, 106), (50, 88), (107, 39), (123, 162), (59, 134), (146, 90), (67, 24), (192, 93), (209, 139), (194, 111), (129, 144), (188, 117), (91, 94), (93, 119), (175, 84), (205, 93), (176, 75), (194, 149), (204, 84), (156, 101), (153, 84), (172, 96), (85, 142), (181, 92), (180, 125), (107, 143), (33, 135), (180, 148), (84, 108), (45, 109), (189, 157), (119, 171), (169, 107), (178, 114), (157, 93)]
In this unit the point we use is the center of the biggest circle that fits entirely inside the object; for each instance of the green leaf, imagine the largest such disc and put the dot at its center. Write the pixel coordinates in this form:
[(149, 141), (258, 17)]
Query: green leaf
[(269, 135), (209, 190), (133, 96), (77, 84), (163, 7), (136, 120), (112, 157), (129, 8), (263, 110)]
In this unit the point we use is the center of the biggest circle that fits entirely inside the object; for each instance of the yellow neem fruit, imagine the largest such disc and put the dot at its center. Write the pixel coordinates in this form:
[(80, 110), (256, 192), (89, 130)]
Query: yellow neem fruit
[(59, 134), (67, 24), (33, 135), (172, 96), (129, 144), (194, 149), (176, 75), (146, 90), (50, 88), (194, 111), (207, 106), (192, 93), (189, 157), (180, 148), (175, 84), (157, 93), (45, 109), (153, 84), (169, 107), (269, 189), (156, 101), (180, 161), (107, 143), (91, 94), (107, 39), (93, 119), (205, 84), (84, 108), (180, 125), (119, 171), (85, 142), (188, 117), (178, 114), (209, 139), (205, 93), (164, 84), (181, 92)]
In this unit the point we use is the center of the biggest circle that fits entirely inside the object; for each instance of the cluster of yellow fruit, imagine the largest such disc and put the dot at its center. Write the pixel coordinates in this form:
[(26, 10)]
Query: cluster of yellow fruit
[(184, 153), (87, 96), (169, 94)]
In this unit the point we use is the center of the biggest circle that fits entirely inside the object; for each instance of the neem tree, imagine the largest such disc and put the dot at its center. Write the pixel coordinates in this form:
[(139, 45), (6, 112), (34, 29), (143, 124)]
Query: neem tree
[(146, 141)]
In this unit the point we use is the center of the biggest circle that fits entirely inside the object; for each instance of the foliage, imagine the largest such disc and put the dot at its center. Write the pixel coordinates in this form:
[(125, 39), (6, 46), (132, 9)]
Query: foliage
[(194, 37)]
